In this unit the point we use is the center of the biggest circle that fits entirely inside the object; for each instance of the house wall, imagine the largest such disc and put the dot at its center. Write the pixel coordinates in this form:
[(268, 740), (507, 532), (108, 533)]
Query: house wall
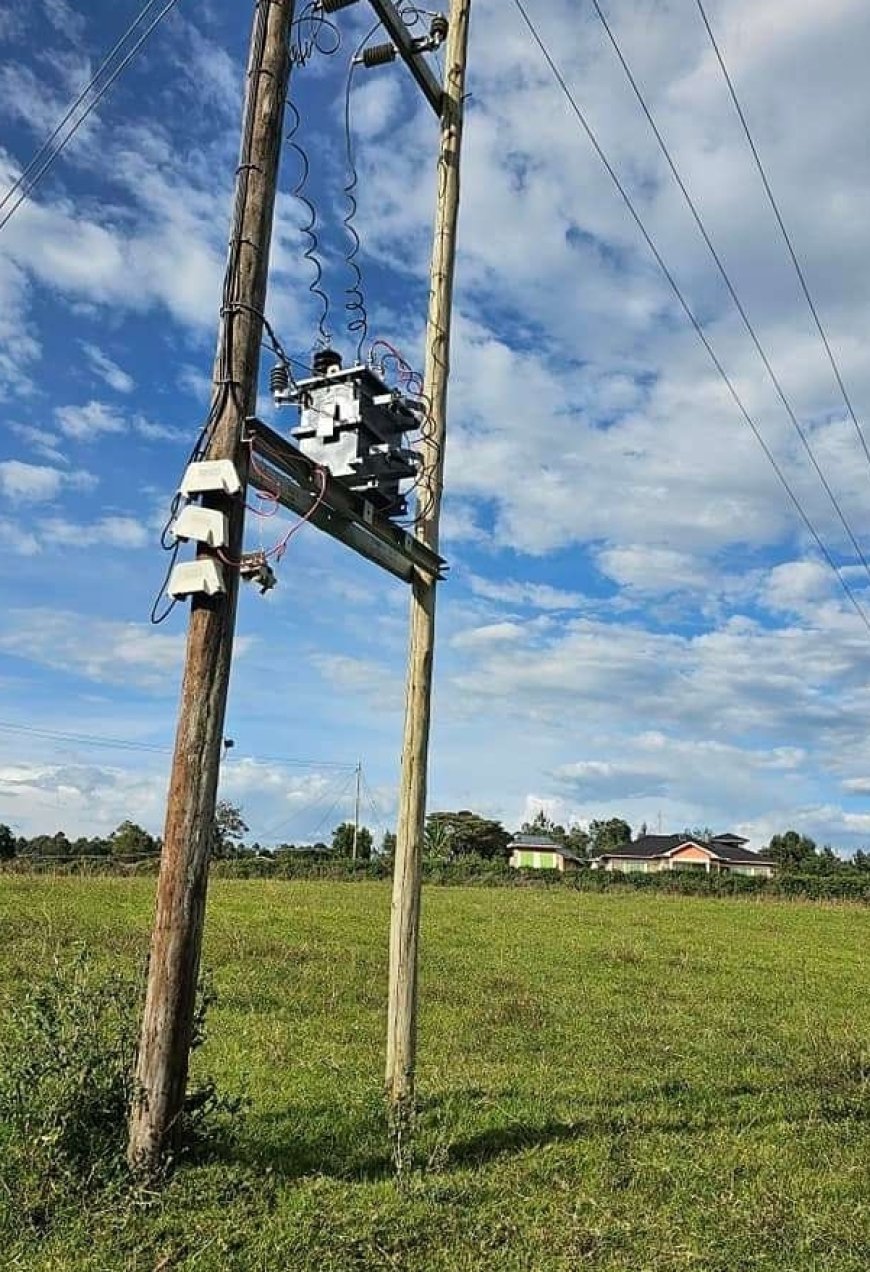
[(532, 860), (691, 853)]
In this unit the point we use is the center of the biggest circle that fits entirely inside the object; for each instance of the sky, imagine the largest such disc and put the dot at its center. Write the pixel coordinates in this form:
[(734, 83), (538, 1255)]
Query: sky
[(636, 623)]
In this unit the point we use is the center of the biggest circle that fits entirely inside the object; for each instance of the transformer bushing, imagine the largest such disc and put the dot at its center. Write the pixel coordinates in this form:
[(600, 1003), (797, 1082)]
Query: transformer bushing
[(355, 426)]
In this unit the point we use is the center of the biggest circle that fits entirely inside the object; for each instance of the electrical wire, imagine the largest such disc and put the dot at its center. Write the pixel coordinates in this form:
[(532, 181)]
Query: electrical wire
[(741, 309), (226, 385), (46, 145), (688, 311), (33, 178), (355, 305), (309, 228), (331, 810), (785, 234), (342, 789), (302, 49), (125, 744)]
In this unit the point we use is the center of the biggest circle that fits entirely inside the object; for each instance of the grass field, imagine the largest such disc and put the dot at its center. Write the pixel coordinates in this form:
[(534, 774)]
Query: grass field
[(623, 1082)]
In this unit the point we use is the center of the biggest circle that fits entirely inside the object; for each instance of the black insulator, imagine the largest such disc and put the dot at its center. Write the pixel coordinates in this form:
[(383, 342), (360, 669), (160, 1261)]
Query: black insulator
[(279, 378), (439, 28), (333, 6), (325, 360), (379, 55)]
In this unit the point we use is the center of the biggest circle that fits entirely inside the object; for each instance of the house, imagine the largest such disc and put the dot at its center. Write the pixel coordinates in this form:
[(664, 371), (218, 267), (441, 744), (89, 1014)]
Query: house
[(538, 852), (721, 854)]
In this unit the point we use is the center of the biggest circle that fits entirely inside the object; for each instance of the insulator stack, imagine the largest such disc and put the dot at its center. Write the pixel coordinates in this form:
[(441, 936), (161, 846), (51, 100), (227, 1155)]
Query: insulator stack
[(279, 378), (379, 55), (333, 6), (325, 360)]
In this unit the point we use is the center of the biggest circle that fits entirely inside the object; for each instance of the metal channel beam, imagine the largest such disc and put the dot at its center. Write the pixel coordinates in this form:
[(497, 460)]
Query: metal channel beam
[(341, 513), (404, 42)]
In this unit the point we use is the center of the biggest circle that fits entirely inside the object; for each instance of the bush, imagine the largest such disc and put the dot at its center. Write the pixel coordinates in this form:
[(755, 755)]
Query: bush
[(67, 1055)]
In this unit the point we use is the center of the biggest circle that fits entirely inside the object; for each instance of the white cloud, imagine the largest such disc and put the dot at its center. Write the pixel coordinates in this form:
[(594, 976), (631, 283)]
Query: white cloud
[(107, 652), (35, 483), (109, 531), (539, 596), (88, 422), (107, 370)]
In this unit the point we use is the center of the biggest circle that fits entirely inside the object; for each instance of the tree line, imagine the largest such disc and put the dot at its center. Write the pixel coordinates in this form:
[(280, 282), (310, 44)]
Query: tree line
[(449, 837)]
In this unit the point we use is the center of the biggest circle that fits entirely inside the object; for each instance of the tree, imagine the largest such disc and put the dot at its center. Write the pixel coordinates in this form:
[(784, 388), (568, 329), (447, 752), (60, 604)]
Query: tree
[(131, 840), (792, 850), (437, 839), (229, 830), (575, 839), (7, 843), (607, 836), (342, 841), (388, 845), (468, 834), (861, 860)]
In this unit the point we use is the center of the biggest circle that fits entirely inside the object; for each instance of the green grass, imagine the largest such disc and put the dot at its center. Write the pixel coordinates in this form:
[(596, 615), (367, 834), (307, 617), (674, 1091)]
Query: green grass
[(627, 1083)]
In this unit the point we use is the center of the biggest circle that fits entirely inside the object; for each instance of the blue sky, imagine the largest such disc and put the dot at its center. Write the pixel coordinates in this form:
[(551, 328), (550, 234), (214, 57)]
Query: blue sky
[(635, 622)]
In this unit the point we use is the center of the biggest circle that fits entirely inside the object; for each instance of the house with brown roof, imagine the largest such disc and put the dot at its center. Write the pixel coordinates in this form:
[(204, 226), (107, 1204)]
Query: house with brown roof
[(721, 854)]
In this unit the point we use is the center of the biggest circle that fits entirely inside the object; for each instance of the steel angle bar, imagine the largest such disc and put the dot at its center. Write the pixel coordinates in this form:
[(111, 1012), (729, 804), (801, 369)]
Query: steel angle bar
[(416, 62), (340, 512)]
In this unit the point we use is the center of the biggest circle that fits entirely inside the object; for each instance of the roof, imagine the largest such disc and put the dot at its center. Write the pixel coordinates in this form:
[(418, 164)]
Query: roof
[(726, 847), (540, 842)]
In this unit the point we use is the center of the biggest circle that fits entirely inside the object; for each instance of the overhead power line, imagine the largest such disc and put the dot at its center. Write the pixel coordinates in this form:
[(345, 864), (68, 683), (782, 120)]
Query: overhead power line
[(785, 234), (127, 744), (689, 312), (39, 165), (738, 303)]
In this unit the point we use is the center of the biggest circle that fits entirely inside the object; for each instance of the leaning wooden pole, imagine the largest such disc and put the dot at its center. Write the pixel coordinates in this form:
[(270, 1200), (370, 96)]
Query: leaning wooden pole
[(161, 1076), (405, 915)]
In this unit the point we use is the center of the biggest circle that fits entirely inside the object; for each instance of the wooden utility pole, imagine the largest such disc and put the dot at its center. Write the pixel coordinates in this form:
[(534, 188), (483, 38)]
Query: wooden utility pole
[(405, 914), (161, 1077), (356, 810)]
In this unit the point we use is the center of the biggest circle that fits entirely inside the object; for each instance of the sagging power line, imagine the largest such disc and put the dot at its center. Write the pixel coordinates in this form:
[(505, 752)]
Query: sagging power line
[(732, 291), (57, 140), (801, 273), (689, 312)]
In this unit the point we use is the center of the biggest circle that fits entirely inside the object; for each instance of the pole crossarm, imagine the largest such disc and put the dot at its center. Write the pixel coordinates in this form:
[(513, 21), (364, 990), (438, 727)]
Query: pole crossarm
[(298, 484), (416, 62)]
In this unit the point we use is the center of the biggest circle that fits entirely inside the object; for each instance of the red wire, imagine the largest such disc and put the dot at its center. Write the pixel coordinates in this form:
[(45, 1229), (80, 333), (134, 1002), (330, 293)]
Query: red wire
[(278, 550)]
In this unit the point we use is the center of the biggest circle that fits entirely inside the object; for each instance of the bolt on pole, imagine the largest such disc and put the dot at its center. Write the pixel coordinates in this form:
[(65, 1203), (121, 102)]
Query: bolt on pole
[(164, 1049), (405, 912)]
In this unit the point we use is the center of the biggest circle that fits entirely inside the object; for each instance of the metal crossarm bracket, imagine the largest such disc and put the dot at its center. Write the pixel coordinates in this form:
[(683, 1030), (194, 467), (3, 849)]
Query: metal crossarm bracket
[(404, 42), (296, 482)]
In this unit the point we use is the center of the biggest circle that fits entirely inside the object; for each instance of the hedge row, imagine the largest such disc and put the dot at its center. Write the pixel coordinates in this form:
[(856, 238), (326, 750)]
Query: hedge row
[(843, 884)]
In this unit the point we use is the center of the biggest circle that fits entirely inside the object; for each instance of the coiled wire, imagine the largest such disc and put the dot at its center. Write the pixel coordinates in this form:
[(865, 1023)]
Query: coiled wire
[(308, 230)]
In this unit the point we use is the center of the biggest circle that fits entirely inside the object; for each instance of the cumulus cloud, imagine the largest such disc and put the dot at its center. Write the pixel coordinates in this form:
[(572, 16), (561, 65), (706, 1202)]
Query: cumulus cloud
[(39, 483)]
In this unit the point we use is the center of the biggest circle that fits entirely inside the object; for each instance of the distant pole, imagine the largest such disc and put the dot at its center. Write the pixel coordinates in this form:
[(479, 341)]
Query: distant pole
[(356, 810), (161, 1076), (405, 914)]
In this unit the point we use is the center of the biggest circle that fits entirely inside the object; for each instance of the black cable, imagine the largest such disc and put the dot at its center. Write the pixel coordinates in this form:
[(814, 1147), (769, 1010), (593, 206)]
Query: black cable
[(308, 230), (226, 385), (32, 181), (684, 305), (741, 309), (355, 306), (46, 145), (785, 234), (302, 48)]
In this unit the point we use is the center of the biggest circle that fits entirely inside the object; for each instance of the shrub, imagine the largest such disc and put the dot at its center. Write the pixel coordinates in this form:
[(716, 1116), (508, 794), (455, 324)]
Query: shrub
[(67, 1055)]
